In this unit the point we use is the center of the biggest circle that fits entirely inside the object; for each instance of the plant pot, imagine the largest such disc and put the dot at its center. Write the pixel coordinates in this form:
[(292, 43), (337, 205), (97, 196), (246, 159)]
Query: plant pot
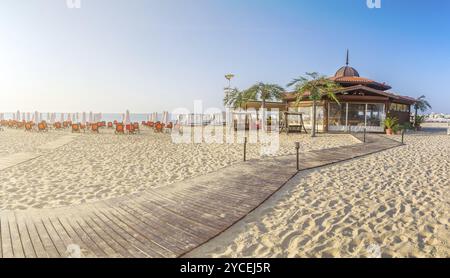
[(389, 131)]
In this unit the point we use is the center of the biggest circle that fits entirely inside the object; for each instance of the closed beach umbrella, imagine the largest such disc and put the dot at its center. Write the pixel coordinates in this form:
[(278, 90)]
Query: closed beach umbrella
[(155, 116), (23, 116), (62, 117), (127, 117), (41, 117), (100, 117), (18, 115), (36, 116), (83, 118), (90, 117), (165, 117), (28, 116)]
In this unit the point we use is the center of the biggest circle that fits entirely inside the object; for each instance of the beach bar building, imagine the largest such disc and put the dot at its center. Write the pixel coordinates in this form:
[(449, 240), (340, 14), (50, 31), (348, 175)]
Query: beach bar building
[(363, 104)]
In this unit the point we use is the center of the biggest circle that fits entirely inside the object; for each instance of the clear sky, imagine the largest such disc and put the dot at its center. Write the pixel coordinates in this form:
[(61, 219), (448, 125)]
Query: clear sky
[(150, 55)]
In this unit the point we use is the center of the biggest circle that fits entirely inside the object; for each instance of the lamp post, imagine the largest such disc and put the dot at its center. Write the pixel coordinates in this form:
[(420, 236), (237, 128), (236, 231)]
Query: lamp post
[(297, 148), (229, 77)]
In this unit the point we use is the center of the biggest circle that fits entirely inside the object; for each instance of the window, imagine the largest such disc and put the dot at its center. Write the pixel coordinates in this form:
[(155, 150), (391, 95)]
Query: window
[(337, 114), (356, 114), (375, 114), (397, 107)]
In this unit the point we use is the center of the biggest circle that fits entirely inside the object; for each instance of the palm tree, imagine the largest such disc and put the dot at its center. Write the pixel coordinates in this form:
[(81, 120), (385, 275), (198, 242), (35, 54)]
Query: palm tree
[(235, 98), (264, 92), (421, 105), (316, 87)]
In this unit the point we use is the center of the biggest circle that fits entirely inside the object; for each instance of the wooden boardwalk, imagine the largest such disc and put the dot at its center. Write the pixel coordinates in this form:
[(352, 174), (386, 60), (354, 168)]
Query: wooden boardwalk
[(162, 222)]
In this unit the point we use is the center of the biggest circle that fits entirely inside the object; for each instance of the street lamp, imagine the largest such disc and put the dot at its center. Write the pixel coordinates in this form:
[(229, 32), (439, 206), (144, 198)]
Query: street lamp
[(229, 77)]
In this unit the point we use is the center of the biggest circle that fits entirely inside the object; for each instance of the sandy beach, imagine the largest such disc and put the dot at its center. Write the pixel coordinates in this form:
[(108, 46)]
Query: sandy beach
[(91, 167), (392, 204)]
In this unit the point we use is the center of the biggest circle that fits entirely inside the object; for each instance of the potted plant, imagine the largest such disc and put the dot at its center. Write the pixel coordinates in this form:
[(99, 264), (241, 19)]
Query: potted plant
[(419, 121), (390, 124)]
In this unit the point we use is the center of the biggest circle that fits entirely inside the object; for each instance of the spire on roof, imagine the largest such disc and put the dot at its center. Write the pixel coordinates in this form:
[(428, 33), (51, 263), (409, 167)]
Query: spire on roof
[(347, 57)]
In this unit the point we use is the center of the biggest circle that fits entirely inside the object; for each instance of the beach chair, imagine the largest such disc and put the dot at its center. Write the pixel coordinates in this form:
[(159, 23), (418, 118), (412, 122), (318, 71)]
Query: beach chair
[(150, 124), (29, 126), (169, 127), (119, 129), (57, 125), (66, 124), (110, 125), (94, 128), (20, 125), (42, 127), (130, 129), (159, 127), (136, 128), (83, 127), (76, 128)]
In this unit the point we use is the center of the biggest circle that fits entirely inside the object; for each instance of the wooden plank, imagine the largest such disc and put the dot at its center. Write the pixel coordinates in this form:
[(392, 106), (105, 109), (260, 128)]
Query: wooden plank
[(34, 236), (145, 233), (138, 237), (27, 244), (7, 249), (113, 236), (166, 228), (57, 241), (75, 232), (85, 231), (47, 242), (139, 249), (186, 224), (69, 238), (16, 240)]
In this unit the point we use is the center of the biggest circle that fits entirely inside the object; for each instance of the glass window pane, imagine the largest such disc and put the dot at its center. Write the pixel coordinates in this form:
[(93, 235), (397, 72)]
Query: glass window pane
[(336, 114), (375, 114), (356, 114)]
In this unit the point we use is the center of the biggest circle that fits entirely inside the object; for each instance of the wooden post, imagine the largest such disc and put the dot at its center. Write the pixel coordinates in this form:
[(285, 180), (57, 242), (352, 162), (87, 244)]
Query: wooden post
[(245, 149), (364, 135), (403, 136), (297, 148)]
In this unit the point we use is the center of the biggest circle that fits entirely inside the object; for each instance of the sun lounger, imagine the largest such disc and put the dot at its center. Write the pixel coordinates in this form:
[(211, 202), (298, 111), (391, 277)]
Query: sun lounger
[(42, 126), (110, 125), (130, 129), (136, 127), (168, 127), (159, 127), (119, 129), (29, 126), (76, 128), (94, 128), (57, 125)]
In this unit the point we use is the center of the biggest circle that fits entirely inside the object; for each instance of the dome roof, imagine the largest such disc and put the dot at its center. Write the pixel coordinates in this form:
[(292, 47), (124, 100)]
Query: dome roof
[(347, 71)]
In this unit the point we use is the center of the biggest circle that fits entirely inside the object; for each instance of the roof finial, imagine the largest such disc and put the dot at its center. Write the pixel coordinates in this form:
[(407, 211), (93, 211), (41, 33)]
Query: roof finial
[(347, 57)]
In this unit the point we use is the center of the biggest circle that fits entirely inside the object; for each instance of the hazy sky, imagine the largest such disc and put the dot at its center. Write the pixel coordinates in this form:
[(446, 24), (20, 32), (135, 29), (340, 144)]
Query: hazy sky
[(150, 55)]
